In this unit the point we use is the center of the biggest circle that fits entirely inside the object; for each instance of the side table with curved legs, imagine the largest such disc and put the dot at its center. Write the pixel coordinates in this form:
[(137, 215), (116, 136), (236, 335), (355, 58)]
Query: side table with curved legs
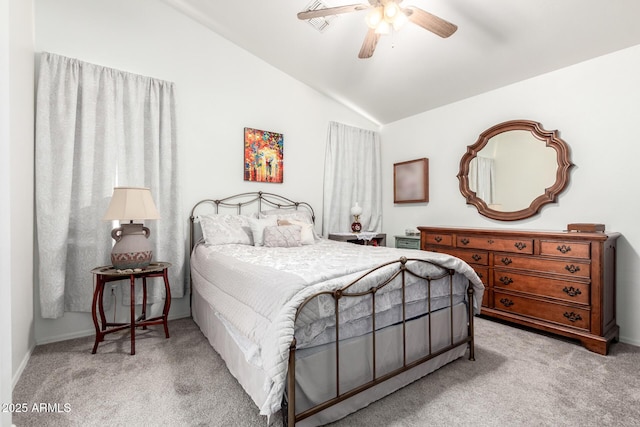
[(107, 274)]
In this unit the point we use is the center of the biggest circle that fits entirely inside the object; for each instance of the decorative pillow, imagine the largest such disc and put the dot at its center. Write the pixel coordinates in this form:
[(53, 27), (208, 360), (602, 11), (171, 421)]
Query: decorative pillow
[(307, 235), (285, 236), (258, 226), (223, 229), (297, 215)]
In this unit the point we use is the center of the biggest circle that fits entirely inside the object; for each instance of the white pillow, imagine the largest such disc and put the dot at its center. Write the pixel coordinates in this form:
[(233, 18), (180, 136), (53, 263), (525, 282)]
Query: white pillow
[(222, 229), (297, 215), (285, 236), (257, 228), (301, 215), (307, 235)]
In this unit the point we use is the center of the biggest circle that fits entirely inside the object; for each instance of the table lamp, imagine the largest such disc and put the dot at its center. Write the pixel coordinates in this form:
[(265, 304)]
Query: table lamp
[(356, 211), (132, 249)]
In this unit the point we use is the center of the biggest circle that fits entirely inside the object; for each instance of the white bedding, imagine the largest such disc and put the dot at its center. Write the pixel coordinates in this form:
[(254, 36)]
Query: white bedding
[(256, 292)]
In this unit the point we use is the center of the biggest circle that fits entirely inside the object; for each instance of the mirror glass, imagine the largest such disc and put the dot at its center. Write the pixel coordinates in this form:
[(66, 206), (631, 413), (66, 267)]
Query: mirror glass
[(513, 169)]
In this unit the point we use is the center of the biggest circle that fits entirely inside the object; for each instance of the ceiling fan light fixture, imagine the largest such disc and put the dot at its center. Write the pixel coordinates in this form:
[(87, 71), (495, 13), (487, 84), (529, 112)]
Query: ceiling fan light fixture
[(383, 27), (391, 11), (400, 20), (383, 17), (374, 17)]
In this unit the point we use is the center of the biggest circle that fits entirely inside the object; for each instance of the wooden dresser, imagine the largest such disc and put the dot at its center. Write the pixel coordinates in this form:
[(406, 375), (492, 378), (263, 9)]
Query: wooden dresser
[(558, 282)]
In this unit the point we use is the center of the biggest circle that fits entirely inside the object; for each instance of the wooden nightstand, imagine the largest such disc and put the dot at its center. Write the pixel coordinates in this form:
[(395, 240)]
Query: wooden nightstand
[(109, 274), (408, 242), (379, 239)]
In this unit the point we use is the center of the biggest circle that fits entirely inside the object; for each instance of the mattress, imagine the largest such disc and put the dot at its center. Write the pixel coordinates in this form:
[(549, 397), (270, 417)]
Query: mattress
[(255, 293)]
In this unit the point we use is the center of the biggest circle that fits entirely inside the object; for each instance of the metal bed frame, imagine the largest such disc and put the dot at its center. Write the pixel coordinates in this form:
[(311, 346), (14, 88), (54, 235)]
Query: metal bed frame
[(403, 268)]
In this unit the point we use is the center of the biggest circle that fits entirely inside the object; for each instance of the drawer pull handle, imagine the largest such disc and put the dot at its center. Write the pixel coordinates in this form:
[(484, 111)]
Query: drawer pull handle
[(476, 257), (490, 242), (571, 291), (506, 280), (564, 249), (438, 239), (464, 241), (520, 245), (508, 303), (572, 268), (506, 261), (573, 317), (479, 275)]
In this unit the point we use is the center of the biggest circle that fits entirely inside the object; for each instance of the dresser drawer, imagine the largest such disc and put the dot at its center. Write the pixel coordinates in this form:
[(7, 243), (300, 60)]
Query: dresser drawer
[(565, 249), (575, 292), (483, 273), (438, 239), (471, 257), (549, 311), (522, 246), (407, 243), (563, 267)]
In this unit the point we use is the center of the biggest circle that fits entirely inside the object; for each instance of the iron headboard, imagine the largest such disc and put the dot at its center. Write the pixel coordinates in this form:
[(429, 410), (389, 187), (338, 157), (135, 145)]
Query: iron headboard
[(241, 203)]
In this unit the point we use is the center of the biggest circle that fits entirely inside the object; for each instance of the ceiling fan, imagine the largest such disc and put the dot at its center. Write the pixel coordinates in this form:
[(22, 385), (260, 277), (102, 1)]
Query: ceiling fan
[(384, 15)]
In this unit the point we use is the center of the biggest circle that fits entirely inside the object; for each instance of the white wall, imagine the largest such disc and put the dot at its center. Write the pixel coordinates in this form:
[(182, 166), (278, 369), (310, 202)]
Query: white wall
[(5, 216), (220, 90), (595, 105), (16, 191), (22, 180)]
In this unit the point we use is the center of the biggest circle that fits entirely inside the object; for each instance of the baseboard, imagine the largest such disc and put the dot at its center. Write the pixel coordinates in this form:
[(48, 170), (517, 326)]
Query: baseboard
[(628, 340), (92, 331), (22, 367), (66, 337)]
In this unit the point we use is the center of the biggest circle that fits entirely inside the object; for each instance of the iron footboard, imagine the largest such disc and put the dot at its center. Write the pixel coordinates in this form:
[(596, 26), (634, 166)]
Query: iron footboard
[(402, 272)]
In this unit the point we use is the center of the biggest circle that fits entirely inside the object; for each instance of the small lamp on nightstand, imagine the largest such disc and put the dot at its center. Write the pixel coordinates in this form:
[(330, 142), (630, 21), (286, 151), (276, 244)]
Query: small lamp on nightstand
[(132, 249), (356, 211)]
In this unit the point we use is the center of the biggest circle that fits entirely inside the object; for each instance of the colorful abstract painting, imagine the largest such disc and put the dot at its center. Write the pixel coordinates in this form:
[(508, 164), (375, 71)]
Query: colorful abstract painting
[(263, 156)]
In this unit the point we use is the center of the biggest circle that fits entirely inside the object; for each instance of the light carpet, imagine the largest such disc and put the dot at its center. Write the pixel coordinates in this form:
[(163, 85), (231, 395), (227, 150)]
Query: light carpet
[(519, 378)]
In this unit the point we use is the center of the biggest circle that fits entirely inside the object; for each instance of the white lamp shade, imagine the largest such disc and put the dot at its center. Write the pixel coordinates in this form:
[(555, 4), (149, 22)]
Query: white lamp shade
[(131, 204), (356, 210)]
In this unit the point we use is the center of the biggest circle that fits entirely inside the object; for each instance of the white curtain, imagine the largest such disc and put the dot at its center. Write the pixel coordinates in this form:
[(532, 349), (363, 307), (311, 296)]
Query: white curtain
[(352, 173), (482, 178), (96, 128)]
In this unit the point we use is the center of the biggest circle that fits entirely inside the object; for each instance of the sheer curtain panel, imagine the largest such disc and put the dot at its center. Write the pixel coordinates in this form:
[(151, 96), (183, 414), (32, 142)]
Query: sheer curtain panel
[(352, 173), (96, 128), (482, 178)]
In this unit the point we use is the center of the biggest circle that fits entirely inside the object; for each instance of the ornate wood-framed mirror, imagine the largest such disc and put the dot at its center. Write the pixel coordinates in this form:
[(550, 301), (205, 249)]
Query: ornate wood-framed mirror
[(513, 169)]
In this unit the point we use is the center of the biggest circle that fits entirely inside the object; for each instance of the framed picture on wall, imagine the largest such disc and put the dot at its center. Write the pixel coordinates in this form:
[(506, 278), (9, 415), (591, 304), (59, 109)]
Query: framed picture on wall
[(263, 156), (411, 181)]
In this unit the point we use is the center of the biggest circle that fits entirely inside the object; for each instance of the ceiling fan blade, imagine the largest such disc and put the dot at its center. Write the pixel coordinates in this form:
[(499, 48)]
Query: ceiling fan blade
[(369, 44), (319, 13), (430, 22)]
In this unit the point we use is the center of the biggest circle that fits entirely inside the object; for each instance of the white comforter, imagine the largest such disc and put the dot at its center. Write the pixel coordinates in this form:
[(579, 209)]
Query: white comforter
[(275, 281)]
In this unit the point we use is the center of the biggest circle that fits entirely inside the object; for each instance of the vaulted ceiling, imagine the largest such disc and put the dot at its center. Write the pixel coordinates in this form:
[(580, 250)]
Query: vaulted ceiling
[(498, 42)]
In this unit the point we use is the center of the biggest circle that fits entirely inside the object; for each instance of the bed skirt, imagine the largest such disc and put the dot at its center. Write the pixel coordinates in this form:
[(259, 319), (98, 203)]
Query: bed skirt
[(313, 366)]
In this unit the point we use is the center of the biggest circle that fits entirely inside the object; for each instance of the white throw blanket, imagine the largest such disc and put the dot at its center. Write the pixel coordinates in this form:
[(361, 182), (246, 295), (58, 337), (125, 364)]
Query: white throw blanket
[(281, 279)]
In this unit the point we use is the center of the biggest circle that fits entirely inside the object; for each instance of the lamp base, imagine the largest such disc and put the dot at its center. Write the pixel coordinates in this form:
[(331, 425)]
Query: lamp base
[(131, 260), (356, 227), (132, 249)]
